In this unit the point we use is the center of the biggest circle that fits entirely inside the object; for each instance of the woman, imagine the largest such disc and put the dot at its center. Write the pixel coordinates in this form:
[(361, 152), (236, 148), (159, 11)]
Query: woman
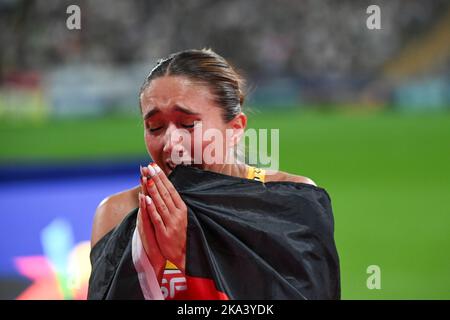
[(185, 90)]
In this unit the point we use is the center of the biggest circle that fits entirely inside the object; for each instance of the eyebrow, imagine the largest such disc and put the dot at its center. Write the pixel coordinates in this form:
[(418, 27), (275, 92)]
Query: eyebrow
[(176, 108)]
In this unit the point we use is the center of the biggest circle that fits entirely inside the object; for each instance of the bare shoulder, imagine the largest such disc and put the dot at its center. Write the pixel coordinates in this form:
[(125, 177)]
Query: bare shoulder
[(111, 211), (272, 176)]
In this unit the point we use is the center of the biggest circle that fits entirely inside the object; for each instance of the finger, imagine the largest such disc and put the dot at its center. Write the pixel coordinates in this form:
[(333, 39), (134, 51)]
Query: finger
[(144, 171), (159, 203), (143, 186), (144, 182), (158, 223), (156, 174), (143, 211), (144, 177), (140, 223), (139, 215), (175, 196), (146, 219), (162, 200), (145, 227)]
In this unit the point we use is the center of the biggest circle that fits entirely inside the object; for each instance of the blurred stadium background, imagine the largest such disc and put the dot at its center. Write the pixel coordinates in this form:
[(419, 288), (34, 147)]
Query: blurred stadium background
[(364, 113)]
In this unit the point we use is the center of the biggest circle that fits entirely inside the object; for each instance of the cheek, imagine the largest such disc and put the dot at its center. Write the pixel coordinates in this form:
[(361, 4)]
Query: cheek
[(202, 143), (199, 144), (154, 146)]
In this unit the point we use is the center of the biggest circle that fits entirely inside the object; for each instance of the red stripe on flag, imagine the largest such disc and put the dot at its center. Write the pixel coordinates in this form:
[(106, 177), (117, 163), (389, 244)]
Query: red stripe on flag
[(201, 289)]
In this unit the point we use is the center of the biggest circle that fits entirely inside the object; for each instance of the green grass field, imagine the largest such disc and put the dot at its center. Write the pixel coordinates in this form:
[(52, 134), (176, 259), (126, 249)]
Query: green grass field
[(388, 175)]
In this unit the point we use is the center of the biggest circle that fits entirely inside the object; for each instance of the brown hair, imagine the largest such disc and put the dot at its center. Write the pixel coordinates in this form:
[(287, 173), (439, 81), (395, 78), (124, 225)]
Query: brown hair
[(208, 68)]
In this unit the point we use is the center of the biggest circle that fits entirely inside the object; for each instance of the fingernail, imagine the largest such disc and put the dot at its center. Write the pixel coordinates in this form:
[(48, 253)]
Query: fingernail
[(140, 169), (152, 170), (148, 200), (150, 183), (145, 171), (156, 167)]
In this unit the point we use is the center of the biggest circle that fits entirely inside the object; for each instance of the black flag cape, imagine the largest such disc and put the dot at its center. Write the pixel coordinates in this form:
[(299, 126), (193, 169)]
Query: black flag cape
[(245, 240)]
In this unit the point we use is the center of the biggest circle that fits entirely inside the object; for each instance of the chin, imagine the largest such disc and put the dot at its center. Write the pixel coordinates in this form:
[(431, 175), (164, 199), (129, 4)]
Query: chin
[(167, 170)]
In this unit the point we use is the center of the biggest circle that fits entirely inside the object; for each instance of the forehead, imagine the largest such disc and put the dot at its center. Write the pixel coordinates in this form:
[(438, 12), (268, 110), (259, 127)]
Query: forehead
[(168, 91)]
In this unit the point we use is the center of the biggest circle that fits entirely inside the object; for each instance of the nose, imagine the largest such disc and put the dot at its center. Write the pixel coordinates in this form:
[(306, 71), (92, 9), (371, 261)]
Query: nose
[(172, 143), (169, 138)]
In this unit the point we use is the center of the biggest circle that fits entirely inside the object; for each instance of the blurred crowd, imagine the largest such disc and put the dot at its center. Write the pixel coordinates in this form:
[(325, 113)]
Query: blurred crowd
[(283, 36), (320, 42)]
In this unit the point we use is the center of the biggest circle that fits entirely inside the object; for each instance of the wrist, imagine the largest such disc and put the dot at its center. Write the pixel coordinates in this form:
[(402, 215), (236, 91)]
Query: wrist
[(181, 263), (159, 265)]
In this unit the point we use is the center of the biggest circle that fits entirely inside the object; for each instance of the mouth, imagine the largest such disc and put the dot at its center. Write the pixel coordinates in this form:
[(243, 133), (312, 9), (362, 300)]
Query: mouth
[(171, 165)]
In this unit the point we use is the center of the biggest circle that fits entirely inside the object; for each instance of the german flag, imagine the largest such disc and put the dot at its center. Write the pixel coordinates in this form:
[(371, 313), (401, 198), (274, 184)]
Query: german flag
[(245, 240)]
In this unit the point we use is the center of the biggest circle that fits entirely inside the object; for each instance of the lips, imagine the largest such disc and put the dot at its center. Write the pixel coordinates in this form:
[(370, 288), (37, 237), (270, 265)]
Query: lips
[(170, 165)]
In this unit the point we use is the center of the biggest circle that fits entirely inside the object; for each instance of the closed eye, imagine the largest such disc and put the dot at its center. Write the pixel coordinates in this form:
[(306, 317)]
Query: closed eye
[(154, 129)]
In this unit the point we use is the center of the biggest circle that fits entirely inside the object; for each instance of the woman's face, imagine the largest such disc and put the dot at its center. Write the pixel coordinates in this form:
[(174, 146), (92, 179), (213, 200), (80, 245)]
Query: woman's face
[(173, 103)]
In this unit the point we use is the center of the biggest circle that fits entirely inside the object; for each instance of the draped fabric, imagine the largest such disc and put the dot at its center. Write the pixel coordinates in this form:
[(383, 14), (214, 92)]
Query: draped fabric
[(245, 240)]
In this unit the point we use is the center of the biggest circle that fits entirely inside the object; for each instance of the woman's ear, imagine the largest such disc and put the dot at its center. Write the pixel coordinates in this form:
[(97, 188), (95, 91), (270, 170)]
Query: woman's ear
[(238, 125)]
